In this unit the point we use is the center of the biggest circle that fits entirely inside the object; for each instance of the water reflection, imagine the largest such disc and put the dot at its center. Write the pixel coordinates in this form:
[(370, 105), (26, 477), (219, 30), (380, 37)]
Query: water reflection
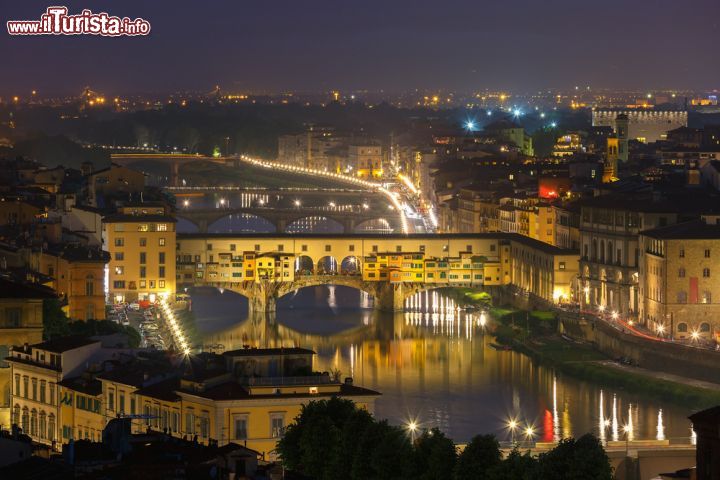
[(433, 363)]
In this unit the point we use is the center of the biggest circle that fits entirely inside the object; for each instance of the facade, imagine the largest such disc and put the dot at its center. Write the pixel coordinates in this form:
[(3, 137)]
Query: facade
[(36, 372), (567, 225), (366, 160), (679, 294), (141, 242), (16, 211), (645, 125), (245, 396), (316, 149), (610, 255), (21, 308), (78, 277), (115, 180)]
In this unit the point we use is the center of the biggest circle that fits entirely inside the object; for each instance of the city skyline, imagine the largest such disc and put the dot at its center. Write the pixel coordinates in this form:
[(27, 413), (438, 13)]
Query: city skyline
[(463, 46)]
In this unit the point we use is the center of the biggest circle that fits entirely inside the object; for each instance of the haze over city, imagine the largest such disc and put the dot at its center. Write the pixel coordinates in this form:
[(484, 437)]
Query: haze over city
[(457, 45)]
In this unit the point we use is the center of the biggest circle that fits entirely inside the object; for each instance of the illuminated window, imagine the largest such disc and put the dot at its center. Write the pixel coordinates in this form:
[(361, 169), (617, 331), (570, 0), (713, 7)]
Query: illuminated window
[(119, 270), (162, 227), (143, 227)]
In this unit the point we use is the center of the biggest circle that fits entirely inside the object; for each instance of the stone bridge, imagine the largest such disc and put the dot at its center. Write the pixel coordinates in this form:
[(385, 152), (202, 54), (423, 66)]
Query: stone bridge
[(281, 218), (262, 295)]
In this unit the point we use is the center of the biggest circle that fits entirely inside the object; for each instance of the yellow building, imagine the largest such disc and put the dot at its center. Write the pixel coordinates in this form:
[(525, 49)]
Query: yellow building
[(245, 396), (14, 210), (541, 221), (20, 324), (36, 372), (78, 277), (81, 415), (141, 242), (366, 160), (115, 180), (678, 293)]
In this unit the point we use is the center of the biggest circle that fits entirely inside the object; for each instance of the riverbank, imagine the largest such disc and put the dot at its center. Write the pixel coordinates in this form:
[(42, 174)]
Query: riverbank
[(583, 362)]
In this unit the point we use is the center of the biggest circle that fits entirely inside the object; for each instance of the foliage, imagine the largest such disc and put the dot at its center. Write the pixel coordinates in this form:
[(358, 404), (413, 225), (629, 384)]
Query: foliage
[(572, 459), (480, 456), (333, 439), (56, 324), (435, 455)]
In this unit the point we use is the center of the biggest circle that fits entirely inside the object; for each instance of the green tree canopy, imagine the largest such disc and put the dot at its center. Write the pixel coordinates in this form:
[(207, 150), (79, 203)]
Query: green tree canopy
[(480, 456)]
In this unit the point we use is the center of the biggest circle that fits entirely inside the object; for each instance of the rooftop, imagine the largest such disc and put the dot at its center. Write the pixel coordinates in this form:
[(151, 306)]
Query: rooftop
[(10, 289), (694, 230), (62, 344)]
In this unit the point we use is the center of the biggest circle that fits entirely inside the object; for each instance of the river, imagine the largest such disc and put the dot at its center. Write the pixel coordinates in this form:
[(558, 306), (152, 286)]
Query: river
[(434, 365)]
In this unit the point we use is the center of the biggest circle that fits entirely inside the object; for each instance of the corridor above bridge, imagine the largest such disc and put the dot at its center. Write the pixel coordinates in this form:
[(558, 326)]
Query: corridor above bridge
[(409, 262)]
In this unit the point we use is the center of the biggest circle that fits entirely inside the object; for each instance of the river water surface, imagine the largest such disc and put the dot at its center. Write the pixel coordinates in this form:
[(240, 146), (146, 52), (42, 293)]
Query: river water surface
[(435, 365)]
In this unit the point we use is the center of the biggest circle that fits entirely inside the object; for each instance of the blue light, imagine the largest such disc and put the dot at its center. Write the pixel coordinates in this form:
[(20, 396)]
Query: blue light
[(553, 124), (489, 112), (542, 115), (517, 112), (469, 125)]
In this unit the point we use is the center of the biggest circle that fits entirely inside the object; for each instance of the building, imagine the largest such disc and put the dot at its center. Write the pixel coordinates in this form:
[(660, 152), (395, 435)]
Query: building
[(14, 210), (78, 277), (21, 323), (509, 131), (706, 425), (317, 148), (644, 124), (609, 260), (568, 145), (567, 225), (679, 294), (366, 160), (140, 239), (115, 181), (36, 371)]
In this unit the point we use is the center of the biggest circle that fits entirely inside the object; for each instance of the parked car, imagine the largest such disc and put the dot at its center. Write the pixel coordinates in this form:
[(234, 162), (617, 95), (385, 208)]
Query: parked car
[(134, 306)]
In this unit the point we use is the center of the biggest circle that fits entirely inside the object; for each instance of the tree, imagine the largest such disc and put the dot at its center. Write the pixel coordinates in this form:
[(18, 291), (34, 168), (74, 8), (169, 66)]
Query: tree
[(516, 466), (480, 456), (572, 459), (435, 455), (55, 322)]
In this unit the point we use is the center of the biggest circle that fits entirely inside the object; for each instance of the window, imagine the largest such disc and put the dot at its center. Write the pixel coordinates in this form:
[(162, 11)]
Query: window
[(374, 248), (143, 258), (682, 255), (111, 399), (209, 247), (468, 248), (232, 247), (161, 258), (682, 297), (328, 248), (143, 242), (561, 266), (34, 389), (190, 423), (162, 227), (704, 327), (122, 402), (277, 426), (161, 241), (89, 285), (707, 297), (143, 272), (681, 273), (706, 272), (26, 384), (43, 396), (161, 271), (119, 256), (152, 283), (257, 247), (132, 405), (351, 248), (143, 228), (52, 394), (51, 427), (281, 248), (161, 283), (13, 317), (707, 253), (119, 270), (204, 427), (119, 242), (240, 428)]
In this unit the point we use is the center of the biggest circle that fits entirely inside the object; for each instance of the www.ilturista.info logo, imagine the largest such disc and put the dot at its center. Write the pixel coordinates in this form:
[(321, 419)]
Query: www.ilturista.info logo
[(56, 21)]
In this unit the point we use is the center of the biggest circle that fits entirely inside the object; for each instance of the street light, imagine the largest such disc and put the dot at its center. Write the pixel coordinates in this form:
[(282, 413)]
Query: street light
[(615, 315), (412, 427), (627, 429), (529, 432), (512, 425), (186, 203), (297, 203)]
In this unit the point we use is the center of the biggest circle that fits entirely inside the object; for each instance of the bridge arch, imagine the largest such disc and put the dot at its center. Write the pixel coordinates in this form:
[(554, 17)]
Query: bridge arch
[(350, 265), (242, 222), (327, 265), (304, 265)]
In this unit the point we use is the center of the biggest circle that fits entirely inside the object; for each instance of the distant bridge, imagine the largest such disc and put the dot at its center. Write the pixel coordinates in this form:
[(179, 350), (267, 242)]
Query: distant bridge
[(280, 218)]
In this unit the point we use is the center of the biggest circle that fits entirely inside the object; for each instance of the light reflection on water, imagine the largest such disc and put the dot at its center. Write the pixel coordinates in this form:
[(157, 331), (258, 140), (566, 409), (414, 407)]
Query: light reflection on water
[(435, 363)]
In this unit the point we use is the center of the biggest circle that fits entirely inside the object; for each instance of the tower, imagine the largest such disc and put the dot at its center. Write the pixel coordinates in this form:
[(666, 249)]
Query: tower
[(621, 130)]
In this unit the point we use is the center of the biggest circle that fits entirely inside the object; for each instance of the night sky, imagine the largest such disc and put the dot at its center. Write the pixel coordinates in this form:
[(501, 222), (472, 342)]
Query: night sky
[(396, 45)]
